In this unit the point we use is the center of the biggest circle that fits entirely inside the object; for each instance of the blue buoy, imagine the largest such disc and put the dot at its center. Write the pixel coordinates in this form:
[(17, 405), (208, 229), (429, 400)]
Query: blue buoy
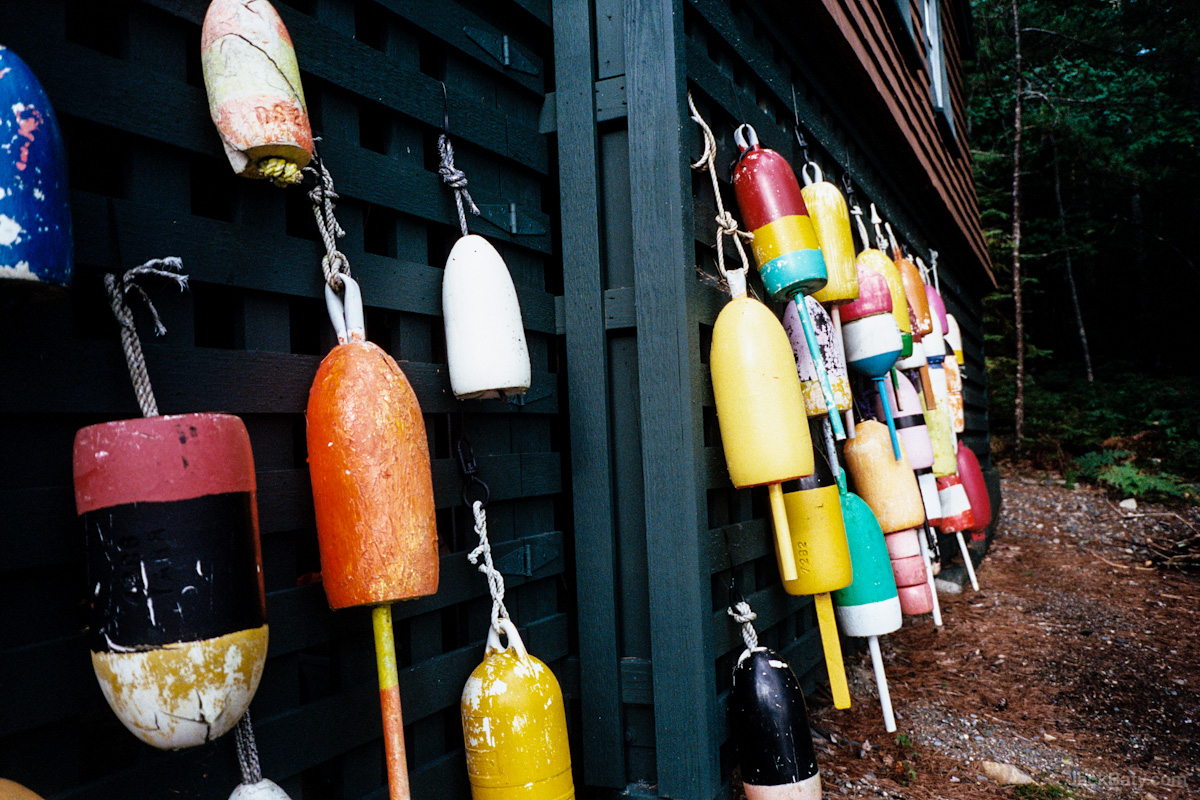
[(35, 211)]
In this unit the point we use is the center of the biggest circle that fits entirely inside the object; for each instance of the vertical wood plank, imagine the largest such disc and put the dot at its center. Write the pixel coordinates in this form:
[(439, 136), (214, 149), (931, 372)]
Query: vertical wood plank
[(668, 356), (587, 379)]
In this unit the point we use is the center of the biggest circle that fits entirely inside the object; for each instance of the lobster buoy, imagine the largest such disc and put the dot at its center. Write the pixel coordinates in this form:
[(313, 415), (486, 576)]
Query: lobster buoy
[(515, 725), (910, 572), (485, 338), (254, 92), (814, 513), (770, 725), (887, 268), (831, 220), (261, 790), (910, 421), (35, 212), (831, 354), (869, 605), (954, 394), (956, 507), (941, 436), (785, 243), (927, 483), (977, 494), (914, 293), (372, 485), (178, 629), (954, 339), (888, 486), (10, 790), (760, 409), (869, 333)]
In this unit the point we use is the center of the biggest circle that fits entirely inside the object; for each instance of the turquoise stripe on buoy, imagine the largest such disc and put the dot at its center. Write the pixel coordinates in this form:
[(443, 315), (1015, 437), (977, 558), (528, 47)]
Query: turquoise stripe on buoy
[(797, 272)]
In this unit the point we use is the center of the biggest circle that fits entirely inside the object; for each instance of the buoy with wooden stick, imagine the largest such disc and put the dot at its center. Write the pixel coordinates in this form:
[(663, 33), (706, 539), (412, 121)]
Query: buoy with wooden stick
[(870, 335)]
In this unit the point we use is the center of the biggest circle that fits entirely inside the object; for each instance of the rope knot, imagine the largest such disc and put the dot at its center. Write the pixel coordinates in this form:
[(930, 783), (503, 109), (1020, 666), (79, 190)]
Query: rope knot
[(494, 578), (334, 263), (726, 224), (741, 613), (456, 179)]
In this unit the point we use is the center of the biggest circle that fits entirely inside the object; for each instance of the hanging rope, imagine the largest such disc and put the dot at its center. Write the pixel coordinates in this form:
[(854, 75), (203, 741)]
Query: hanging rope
[(494, 578), (170, 268), (247, 750), (741, 613), (726, 224), (334, 263), (456, 179)]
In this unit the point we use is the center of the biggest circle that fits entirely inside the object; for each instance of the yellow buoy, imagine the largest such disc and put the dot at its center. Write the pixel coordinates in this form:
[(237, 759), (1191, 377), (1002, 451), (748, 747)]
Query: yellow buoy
[(831, 220), (515, 725), (760, 408)]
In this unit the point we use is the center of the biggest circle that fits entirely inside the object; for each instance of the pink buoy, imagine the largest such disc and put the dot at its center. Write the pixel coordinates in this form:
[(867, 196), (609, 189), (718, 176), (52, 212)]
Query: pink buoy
[(915, 600), (902, 545), (909, 417)]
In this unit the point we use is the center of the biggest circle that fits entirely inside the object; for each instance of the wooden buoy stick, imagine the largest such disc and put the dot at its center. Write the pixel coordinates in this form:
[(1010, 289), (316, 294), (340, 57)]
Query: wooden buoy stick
[(389, 702), (885, 697), (833, 650), (937, 607), (818, 360), (966, 554), (783, 535), (881, 384)]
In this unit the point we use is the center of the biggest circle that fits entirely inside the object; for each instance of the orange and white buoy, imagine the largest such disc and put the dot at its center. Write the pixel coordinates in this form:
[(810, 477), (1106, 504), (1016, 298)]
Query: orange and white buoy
[(254, 92)]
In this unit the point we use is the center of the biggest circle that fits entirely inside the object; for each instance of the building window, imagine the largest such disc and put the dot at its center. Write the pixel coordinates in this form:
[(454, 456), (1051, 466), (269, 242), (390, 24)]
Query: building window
[(935, 59)]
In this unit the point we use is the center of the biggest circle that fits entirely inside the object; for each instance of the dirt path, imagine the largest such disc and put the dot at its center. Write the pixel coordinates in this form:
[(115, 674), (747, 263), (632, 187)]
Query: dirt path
[(1076, 662)]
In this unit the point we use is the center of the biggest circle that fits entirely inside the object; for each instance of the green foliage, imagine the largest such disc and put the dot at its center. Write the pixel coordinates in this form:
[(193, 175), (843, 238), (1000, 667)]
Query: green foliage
[(1129, 481), (1042, 791)]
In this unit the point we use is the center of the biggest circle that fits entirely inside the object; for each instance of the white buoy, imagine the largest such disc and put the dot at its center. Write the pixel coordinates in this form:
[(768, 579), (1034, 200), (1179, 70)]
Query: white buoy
[(485, 338)]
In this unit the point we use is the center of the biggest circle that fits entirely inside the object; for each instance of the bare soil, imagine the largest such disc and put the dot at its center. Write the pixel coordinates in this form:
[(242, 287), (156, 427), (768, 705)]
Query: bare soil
[(1078, 662)]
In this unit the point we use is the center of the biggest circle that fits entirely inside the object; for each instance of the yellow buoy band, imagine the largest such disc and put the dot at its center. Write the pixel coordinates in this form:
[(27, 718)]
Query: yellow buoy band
[(782, 236)]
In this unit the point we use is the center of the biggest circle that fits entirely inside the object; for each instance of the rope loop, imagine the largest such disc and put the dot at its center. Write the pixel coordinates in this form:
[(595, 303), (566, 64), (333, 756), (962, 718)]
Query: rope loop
[(456, 179), (334, 263), (726, 224), (170, 268), (494, 578)]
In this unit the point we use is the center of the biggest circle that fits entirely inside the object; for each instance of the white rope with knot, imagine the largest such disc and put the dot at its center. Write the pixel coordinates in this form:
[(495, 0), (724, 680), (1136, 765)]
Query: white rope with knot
[(494, 578), (726, 224), (742, 613), (170, 268), (456, 179), (334, 263)]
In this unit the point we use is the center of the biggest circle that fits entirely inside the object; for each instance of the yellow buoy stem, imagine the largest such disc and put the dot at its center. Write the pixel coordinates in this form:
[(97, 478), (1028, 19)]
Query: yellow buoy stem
[(833, 650), (389, 701), (783, 536)]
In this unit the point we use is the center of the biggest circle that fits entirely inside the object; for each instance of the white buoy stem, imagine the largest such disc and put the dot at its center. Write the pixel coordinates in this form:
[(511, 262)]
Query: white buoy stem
[(937, 608), (885, 697), (966, 554)]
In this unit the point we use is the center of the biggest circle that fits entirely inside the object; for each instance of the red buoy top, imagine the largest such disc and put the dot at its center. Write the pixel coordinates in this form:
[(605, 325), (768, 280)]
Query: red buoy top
[(766, 187), (972, 480), (161, 459), (874, 295)]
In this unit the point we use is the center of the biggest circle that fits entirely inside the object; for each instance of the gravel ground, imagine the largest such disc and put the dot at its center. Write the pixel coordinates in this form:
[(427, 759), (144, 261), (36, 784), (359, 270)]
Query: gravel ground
[(1076, 662)]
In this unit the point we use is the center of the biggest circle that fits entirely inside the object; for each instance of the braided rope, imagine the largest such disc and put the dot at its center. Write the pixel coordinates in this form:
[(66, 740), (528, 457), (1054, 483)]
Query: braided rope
[(456, 179), (742, 613), (726, 224), (170, 268), (334, 263), (247, 750), (494, 578)]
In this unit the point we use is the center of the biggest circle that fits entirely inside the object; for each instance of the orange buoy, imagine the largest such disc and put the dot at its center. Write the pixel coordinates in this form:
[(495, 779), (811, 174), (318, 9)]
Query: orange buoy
[(372, 486), (887, 485)]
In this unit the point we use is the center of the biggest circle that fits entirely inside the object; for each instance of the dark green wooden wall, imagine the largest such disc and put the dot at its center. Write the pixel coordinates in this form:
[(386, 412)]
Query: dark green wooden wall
[(149, 179), (613, 516)]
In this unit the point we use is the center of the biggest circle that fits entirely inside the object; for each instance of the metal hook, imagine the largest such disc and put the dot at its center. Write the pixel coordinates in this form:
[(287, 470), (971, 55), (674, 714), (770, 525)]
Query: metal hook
[(470, 471), (800, 140), (848, 184), (445, 109)]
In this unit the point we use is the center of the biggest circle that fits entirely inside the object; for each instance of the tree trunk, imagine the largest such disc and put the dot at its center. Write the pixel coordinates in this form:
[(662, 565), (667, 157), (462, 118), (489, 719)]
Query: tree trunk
[(1062, 227), (1019, 406)]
